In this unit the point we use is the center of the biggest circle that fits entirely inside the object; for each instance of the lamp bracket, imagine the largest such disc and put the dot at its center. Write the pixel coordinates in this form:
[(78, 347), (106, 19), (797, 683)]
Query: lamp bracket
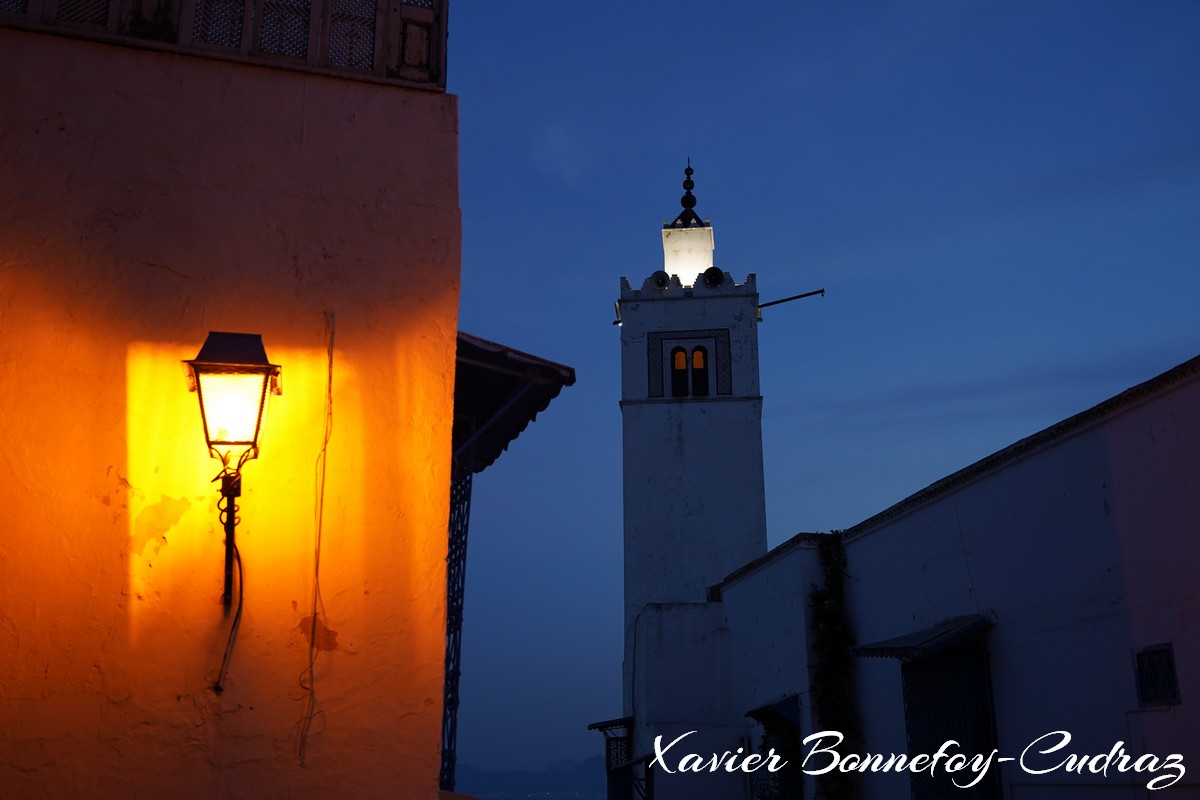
[(231, 483)]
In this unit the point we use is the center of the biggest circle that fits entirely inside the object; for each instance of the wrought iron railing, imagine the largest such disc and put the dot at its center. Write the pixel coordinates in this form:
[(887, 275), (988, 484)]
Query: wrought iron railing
[(456, 577), (628, 778), (403, 40)]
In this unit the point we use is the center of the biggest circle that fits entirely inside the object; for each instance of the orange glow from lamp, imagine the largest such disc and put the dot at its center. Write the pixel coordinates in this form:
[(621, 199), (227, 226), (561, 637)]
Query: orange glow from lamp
[(233, 378)]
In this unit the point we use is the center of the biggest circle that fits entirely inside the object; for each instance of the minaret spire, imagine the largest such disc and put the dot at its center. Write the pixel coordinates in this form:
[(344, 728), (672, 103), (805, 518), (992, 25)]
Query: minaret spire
[(688, 217), (688, 241)]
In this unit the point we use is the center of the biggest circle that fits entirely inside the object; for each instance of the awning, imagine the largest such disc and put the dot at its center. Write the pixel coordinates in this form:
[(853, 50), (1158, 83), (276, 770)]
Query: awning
[(787, 709), (611, 724), (929, 641), (498, 391)]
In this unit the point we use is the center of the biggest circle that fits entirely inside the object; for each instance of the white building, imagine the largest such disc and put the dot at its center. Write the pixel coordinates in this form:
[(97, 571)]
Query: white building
[(1050, 587)]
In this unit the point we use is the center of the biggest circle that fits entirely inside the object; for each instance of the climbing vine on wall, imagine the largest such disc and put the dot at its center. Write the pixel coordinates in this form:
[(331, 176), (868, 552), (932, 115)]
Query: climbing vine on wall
[(832, 683)]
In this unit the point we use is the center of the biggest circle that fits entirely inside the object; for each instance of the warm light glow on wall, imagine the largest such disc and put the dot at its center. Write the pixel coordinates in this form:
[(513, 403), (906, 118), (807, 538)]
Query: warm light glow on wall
[(382, 566), (112, 628), (423, 536), (166, 475), (175, 538)]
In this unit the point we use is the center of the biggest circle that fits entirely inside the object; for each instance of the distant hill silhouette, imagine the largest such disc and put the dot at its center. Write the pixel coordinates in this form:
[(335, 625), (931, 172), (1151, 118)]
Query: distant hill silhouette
[(584, 781)]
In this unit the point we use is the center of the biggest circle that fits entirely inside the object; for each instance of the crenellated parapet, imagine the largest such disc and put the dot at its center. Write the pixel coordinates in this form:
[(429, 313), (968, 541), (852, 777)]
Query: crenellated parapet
[(712, 282)]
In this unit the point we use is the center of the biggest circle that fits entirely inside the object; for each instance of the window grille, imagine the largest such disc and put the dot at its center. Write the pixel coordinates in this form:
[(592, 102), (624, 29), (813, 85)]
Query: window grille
[(285, 27), (219, 22), (1157, 683), (352, 34), (93, 13), (404, 40)]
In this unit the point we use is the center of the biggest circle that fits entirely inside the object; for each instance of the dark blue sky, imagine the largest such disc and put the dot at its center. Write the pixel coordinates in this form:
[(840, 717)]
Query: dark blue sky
[(1002, 200)]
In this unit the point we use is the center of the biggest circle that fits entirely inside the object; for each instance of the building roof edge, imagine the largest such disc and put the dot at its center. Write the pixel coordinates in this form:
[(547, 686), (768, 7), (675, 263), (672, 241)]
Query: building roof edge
[(1057, 432)]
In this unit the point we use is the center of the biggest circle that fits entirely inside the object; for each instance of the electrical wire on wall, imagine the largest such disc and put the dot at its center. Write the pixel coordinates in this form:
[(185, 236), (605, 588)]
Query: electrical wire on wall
[(308, 677)]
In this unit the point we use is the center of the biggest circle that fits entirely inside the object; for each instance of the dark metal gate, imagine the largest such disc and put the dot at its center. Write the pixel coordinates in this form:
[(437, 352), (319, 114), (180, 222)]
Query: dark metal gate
[(948, 695)]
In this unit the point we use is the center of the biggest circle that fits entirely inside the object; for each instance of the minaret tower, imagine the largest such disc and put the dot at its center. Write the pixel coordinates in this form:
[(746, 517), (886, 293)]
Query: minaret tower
[(692, 423)]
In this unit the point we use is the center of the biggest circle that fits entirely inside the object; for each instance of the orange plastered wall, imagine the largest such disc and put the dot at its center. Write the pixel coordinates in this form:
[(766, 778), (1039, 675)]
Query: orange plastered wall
[(149, 198)]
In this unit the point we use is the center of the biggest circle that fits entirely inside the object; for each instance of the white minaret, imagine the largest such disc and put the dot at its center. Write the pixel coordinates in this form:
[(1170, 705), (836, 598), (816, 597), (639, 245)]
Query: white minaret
[(692, 425)]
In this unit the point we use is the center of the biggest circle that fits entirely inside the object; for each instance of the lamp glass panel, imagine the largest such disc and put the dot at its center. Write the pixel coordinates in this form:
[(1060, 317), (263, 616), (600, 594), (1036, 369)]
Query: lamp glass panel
[(233, 405)]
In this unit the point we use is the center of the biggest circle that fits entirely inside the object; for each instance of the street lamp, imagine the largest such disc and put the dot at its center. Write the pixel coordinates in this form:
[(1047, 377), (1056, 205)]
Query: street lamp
[(232, 377)]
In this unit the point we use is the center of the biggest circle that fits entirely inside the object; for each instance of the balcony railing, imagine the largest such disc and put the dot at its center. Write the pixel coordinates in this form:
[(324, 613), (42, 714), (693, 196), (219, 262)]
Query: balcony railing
[(402, 40)]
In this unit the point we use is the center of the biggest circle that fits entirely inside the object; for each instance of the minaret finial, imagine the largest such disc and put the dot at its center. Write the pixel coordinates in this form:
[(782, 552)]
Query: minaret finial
[(688, 216)]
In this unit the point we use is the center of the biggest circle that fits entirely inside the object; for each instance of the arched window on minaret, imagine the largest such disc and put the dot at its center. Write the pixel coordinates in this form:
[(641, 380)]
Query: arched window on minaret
[(699, 372), (679, 372)]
